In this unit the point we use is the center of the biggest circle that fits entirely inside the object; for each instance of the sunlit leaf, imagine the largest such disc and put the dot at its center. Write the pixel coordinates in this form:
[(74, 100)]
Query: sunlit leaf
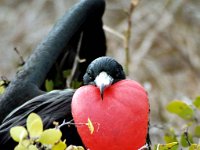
[(80, 148), (71, 147), (184, 141), (49, 85), (20, 147), (2, 87), (170, 136), (50, 136), (34, 125), (32, 147), (196, 102), (60, 146), (173, 145), (168, 146), (197, 131), (181, 109), (90, 126), (194, 147), (18, 133), (25, 142)]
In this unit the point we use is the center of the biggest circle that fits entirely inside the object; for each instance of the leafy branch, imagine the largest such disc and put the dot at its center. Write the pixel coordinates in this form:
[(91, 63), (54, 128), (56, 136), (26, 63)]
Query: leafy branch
[(33, 137)]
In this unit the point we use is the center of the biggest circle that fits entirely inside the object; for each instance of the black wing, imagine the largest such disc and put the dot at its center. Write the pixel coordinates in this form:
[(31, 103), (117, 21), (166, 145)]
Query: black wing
[(59, 48), (52, 106)]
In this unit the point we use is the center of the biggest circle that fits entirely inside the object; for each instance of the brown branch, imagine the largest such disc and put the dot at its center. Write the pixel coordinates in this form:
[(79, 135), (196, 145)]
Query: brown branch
[(133, 4)]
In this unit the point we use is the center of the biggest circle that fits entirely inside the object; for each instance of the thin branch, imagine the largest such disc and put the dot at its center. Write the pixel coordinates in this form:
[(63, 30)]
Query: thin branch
[(133, 4), (22, 62), (144, 147), (76, 61), (114, 32)]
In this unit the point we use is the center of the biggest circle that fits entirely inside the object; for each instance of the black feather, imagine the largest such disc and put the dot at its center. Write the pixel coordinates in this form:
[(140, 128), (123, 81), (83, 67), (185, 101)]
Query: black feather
[(52, 106)]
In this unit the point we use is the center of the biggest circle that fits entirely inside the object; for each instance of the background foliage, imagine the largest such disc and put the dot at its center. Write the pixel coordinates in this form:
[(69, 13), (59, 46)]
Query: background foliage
[(164, 49)]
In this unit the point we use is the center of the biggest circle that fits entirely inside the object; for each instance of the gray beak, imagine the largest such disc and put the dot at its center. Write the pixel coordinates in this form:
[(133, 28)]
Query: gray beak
[(101, 88), (102, 81)]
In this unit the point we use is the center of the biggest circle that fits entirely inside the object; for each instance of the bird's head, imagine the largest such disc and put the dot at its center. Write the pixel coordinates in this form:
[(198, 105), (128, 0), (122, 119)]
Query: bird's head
[(103, 72)]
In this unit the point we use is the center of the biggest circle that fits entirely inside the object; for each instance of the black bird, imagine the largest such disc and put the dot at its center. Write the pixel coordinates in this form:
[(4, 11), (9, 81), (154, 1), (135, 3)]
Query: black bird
[(72, 37), (78, 35), (56, 105)]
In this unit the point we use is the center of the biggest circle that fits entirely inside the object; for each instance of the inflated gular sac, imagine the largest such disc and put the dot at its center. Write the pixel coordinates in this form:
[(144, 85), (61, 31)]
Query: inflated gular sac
[(120, 119)]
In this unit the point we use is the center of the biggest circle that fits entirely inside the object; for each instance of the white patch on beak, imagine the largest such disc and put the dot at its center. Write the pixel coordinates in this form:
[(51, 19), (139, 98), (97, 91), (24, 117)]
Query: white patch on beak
[(102, 81)]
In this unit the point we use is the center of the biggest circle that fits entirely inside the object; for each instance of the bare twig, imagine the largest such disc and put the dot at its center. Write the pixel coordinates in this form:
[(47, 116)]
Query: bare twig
[(144, 147), (76, 61), (22, 62), (133, 4), (114, 32), (161, 127)]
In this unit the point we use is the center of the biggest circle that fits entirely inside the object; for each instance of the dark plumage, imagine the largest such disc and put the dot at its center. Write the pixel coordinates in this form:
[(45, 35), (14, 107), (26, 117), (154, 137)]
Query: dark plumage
[(56, 105), (52, 106), (71, 37), (110, 66), (24, 96)]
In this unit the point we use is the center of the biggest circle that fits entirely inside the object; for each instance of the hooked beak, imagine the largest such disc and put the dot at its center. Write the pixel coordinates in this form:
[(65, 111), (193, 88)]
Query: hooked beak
[(102, 81)]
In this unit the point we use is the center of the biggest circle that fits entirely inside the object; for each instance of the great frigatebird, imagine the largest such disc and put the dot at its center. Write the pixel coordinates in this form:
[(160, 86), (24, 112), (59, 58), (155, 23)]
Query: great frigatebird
[(81, 24), (76, 36), (104, 81)]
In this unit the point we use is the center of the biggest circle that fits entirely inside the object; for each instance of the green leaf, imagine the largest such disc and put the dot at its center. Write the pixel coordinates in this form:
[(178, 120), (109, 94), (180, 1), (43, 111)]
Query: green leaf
[(60, 146), (2, 89), (194, 147), (168, 146), (197, 131), (80, 148), (49, 85), (181, 109), (75, 84), (18, 133), (169, 139), (184, 141), (196, 102), (20, 147), (34, 125), (170, 136), (25, 142), (32, 147), (50, 136), (66, 73), (72, 147)]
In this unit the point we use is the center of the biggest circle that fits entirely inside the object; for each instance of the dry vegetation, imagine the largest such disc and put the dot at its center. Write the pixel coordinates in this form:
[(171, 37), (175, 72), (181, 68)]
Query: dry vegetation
[(164, 44)]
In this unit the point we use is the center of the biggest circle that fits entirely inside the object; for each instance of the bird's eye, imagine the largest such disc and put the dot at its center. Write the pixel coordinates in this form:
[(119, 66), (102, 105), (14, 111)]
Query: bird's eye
[(89, 74)]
